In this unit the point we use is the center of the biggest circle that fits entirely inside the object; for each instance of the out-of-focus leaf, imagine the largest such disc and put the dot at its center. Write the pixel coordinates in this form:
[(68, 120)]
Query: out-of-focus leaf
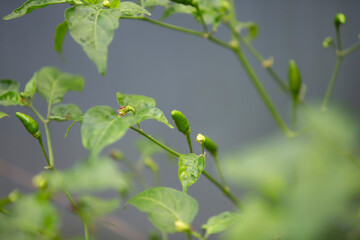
[(98, 174), (115, 3), (252, 28), (131, 9), (190, 169), (60, 34), (52, 84), (220, 223), (152, 3), (9, 93), (2, 114), (147, 148), (89, 207), (30, 217), (65, 112), (30, 89), (31, 5), (315, 176), (93, 28), (165, 206)]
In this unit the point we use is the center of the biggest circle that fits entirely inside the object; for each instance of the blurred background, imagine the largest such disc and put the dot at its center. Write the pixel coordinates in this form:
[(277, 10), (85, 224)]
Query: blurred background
[(181, 72)]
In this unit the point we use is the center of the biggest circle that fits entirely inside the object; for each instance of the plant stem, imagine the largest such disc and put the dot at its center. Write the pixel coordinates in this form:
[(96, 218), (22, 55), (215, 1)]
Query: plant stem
[(86, 231), (331, 83), (294, 113), (163, 235), (351, 49), (262, 92), (217, 163), (37, 113), (201, 18), (188, 138), (338, 38), (44, 152), (224, 189), (51, 156), (189, 236)]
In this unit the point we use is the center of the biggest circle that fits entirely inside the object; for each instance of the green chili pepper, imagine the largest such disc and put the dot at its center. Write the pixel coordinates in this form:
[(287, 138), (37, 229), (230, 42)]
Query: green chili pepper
[(30, 124), (294, 79), (185, 2), (181, 122), (339, 19), (210, 145)]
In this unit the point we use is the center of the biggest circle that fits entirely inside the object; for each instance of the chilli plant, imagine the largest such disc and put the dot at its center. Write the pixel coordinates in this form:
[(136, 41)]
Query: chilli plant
[(303, 183)]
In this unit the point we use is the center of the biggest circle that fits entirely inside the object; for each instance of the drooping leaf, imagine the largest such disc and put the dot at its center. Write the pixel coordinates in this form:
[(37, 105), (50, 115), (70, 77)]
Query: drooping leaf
[(92, 175), (65, 112), (220, 223), (52, 84), (131, 9), (29, 217), (2, 114), (165, 206), (89, 207), (60, 34), (93, 28), (9, 93), (31, 5), (190, 169)]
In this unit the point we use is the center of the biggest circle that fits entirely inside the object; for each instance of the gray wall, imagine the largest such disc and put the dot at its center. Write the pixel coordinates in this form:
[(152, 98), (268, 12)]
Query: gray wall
[(181, 72)]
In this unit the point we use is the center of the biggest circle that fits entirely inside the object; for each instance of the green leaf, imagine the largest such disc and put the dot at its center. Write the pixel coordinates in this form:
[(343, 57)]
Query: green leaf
[(28, 217), (131, 9), (220, 223), (93, 28), (92, 1), (89, 207), (65, 112), (190, 169), (9, 93), (93, 174), (52, 84), (31, 5), (2, 114), (252, 28), (152, 3), (114, 3), (60, 34), (30, 89), (165, 206)]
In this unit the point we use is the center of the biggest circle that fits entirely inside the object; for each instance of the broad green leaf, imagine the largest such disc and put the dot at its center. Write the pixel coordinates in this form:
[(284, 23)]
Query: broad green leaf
[(31, 5), (30, 89), (89, 207), (220, 223), (9, 93), (144, 107), (152, 3), (130, 9), (93, 28), (114, 3), (65, 112), (190, 169), (98, 174), (52, 84), (165, 206), (29, 217), (60, 34), (2, 114)]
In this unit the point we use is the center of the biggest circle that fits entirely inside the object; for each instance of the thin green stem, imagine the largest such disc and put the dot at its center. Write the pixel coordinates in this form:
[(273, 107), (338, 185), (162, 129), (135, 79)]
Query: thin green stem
[(43, 150), (197, 235), (262, 92), (331, 83), (338, 38), (294, 113), (189, 236), (224, 189), (86, 231), (233, 19), (71, 200), (188, 138), (201, 18), (351, 49), (217, 163), (51, 156), (37, 113), (163, 235)]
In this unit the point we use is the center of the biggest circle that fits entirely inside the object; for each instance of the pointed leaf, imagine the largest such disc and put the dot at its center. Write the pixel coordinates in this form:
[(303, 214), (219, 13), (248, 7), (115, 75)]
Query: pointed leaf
[(94, 174), (93, 28), (152, 113), (65, 112), (31, 5), (220, 223), (130, 9), (89, 207), (52, 84), (190, 169), (138, 102), (60, 34), (165, 206), (30, 89), (2, 114), (9, 93)]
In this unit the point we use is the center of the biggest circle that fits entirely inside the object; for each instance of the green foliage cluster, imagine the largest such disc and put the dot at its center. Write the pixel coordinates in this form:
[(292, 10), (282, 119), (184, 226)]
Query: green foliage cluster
[(300, 185)]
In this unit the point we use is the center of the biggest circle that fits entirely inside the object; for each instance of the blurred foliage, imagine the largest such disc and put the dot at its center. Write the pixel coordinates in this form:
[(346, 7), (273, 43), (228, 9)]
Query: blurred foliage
[(303, 188)]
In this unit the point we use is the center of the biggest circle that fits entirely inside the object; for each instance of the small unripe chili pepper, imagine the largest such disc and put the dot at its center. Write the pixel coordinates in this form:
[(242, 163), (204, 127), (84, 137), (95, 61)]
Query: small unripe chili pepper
[(182, 124), (294, 79), (185, 2), (339, 19), (210, 145), (30, 124)]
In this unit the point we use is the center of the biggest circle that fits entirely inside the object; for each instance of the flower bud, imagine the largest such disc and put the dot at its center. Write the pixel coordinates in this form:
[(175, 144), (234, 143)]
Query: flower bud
[(339, 19), (294, 79), (328, 41), (106, 3), (180, 226), (200, 138), (124, 110), (39, 181)]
